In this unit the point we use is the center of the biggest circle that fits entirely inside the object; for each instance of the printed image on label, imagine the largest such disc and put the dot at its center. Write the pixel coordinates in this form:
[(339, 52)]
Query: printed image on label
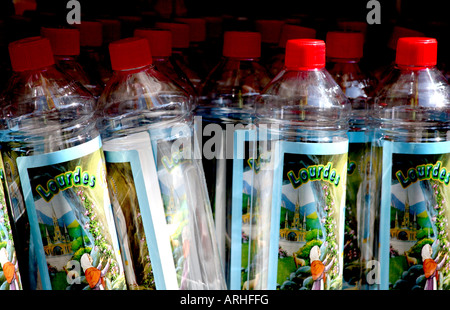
[(311, 214), (188, 214), (356, 230), (72, 229), (171, 166), (418, 231), (244, 198), (130, 225), (9, 268)]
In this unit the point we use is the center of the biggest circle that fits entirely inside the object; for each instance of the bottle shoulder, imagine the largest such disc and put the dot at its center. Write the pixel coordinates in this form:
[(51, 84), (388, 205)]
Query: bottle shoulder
[(312, 87), (44, 91), (424, 88), (144, 91)]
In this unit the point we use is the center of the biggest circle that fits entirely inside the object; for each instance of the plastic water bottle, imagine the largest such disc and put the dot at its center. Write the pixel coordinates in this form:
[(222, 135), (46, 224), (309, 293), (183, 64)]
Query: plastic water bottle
[(344, 52), (226, 106), (300, 175), (65, 44), (160, 41), (158, 189), (411, 165), (56, 177)]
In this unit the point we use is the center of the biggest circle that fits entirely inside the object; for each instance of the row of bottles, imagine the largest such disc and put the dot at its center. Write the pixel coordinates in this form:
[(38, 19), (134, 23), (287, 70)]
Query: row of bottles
[(102, 193), (284, 166)]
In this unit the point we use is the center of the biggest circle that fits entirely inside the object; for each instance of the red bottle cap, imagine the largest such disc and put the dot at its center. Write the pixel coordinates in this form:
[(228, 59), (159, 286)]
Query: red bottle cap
[(197, 28), (270, 30), (91, 33), (30, 54), (160, 40), (64, 41), (290, 32), (345, 44), (242, 44), (416, 51), (130, 53), (305, 54), (180, 33)]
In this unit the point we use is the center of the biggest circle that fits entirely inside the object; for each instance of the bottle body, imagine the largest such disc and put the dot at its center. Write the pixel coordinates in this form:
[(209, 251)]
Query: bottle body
[(409, 165), (158, 187), (359, 216), (55, 178), (300, 182), (225, 108)]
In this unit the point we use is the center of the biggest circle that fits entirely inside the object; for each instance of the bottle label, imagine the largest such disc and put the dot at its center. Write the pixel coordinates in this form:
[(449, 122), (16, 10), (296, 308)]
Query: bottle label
[(125, 186), (73, 238), (308, 200), (141, 216), (9, 266), (356, 232), (414, 234), (163, 203), (242, 205)]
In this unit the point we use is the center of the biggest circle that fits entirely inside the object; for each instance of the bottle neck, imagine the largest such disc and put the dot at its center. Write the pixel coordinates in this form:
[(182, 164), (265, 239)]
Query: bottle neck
[(413, 67), (308, 69)]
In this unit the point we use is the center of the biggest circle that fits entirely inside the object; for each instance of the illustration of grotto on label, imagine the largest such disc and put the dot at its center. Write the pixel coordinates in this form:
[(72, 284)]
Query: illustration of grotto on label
[(78, 254), (308, 254), (419, 244)]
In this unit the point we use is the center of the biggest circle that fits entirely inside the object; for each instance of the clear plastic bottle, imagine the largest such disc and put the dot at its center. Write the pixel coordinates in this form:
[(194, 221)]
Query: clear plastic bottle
[(288, 32), (157, 184), (180, 48), (410, 163), (344, 53), (56, 176), (226, 104), (300, 175), (160, 41), (65, 44)]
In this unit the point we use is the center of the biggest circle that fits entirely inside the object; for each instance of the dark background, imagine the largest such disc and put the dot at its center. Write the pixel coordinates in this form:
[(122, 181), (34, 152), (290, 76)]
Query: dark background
[(429, 17)]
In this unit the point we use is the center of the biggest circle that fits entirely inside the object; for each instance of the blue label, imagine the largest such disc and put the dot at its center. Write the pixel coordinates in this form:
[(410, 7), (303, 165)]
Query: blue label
[(308, 214), (414, 236), (139, 247), (73, 236), (242, 201)]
